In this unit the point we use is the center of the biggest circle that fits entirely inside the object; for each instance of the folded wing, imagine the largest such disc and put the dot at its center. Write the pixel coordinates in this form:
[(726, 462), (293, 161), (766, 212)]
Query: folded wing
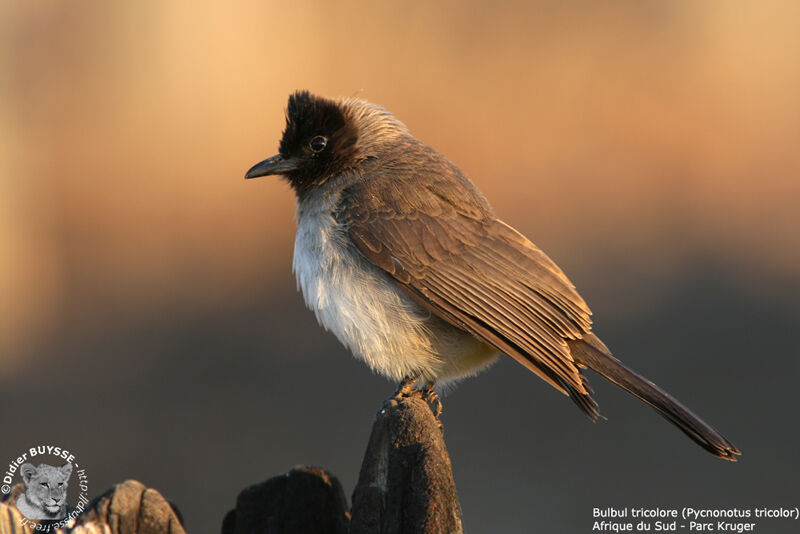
[(475, 272)]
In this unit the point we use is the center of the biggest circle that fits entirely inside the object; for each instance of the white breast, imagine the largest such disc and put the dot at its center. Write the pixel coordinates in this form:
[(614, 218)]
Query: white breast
[(355, 300), (367, 312)]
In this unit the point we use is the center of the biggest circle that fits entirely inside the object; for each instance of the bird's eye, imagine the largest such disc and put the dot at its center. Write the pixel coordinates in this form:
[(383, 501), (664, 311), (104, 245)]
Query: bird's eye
[(318, 143)]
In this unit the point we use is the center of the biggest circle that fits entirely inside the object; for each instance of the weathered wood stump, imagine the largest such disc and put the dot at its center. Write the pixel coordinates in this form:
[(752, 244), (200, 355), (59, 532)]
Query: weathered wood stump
[(405, 486), (306, 499), (406, 481), (127, 508), (131, 508)]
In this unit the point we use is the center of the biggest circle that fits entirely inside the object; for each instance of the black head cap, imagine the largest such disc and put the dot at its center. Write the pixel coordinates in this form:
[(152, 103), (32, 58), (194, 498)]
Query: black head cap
[(317, 143)]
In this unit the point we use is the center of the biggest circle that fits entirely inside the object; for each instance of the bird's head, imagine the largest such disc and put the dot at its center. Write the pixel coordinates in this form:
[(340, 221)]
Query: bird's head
[(326, 137)]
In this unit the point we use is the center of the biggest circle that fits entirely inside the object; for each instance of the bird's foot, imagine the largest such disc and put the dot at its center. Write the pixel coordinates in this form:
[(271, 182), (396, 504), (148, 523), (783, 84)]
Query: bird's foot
[(430, 396), (427, 394), (406, 387)]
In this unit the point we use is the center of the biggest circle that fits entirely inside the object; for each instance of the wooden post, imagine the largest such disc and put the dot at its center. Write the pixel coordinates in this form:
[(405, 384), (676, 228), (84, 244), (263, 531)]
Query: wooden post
[(406, 482), (405, 486), (127, 508)]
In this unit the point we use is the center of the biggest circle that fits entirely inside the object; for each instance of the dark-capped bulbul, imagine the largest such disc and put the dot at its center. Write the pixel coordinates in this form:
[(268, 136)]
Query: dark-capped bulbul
[(400, 256)]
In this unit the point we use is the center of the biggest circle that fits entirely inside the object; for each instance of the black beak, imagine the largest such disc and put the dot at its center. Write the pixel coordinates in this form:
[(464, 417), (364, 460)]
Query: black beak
[(273, 165)]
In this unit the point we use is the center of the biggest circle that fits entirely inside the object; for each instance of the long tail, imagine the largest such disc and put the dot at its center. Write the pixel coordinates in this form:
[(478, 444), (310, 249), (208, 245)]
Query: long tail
[(587, 354)]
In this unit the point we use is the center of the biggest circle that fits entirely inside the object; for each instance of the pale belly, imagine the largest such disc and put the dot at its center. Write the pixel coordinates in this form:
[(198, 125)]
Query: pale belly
[(380, 324)]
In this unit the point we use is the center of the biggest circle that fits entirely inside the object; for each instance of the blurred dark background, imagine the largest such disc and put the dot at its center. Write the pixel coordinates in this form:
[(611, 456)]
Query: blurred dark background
[(148, 318)]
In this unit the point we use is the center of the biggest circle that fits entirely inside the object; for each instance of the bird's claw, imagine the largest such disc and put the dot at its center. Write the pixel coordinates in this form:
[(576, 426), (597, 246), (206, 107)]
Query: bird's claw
[(430, 396), (406, 387)]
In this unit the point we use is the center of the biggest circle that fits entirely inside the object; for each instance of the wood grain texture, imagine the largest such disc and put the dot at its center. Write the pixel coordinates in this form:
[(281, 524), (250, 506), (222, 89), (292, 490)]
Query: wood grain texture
[(133, 508), (127, 508), (406, 482)]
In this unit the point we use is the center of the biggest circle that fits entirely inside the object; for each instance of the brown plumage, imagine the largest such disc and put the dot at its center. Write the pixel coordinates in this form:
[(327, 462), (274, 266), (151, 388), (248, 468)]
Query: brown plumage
[(412, 214)]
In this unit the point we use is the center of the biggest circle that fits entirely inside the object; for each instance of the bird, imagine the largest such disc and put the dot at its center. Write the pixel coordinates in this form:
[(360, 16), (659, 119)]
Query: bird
[(403, 259)]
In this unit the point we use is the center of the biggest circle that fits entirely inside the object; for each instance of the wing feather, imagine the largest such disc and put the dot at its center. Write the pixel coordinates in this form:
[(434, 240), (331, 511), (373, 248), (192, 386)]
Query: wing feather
[(472, 270)]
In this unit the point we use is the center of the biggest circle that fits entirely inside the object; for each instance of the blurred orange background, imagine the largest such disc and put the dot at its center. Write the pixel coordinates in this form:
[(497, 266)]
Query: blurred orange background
[(668, 129), (635, 142)]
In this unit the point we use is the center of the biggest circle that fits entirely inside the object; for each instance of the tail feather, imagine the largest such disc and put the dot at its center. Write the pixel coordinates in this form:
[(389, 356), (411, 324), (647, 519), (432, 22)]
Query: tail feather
[(589, 353)]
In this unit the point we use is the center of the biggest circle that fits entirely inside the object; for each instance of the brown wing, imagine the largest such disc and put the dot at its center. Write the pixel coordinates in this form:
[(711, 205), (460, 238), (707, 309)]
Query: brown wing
[(441, 242)]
